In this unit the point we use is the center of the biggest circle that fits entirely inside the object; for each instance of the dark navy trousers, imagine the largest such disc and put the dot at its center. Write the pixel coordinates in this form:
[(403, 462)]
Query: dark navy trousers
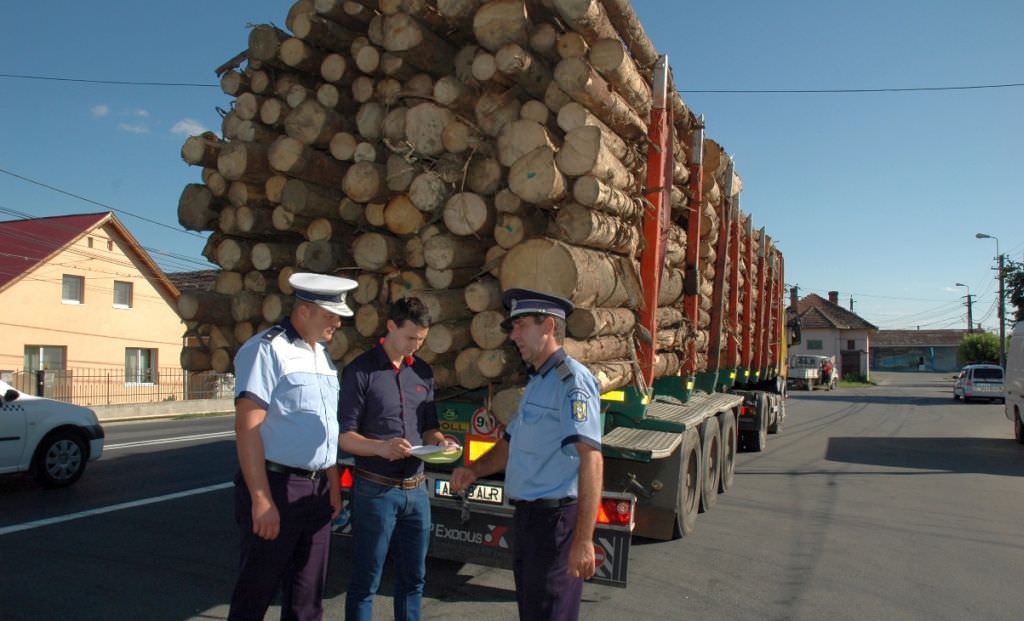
[(295, 562), (544, 589)]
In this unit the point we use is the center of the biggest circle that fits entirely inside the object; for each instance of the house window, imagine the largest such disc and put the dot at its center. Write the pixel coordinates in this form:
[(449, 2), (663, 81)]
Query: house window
[(90, 242), (72, 289), (813, 344), (110, 244), (122, 294), (139, 365), (851, 344), (45, 357)]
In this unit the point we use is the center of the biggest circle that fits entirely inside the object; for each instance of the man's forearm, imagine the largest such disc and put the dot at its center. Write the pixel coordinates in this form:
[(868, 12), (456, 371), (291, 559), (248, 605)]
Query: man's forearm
[(357, 444), (589, 490), (252, 461)]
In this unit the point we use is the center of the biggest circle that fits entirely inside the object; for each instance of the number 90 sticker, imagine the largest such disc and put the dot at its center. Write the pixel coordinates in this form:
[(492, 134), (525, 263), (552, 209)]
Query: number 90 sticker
[(483, 423)]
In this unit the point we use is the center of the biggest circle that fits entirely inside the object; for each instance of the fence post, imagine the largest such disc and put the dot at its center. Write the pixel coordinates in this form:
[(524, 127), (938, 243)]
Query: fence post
[(108, 387)]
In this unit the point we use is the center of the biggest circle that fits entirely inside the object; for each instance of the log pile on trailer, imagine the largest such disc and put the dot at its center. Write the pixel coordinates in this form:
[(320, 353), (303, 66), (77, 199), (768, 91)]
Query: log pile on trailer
[(452, 149)]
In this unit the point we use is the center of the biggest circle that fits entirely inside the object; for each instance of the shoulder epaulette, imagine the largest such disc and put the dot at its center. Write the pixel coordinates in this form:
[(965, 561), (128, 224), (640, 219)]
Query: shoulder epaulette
[(564, 371), (273, 333)]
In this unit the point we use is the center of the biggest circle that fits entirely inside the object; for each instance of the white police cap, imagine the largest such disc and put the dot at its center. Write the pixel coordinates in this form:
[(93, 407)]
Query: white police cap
[(325, 291)]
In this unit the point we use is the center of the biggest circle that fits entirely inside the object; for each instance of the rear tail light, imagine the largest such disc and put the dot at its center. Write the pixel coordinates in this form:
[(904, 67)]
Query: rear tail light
[(615, 511), (747, 410), (346, 477)]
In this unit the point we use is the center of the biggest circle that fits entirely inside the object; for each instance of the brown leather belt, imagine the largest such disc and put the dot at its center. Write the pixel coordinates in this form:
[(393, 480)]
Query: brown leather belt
[(380, 479)]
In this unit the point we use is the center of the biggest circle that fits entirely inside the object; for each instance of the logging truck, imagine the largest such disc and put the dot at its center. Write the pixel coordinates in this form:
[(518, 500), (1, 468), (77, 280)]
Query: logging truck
[(453, 149), (670, 441)]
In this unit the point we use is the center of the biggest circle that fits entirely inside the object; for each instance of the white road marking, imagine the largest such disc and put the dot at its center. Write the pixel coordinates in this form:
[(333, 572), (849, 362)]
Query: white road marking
[(199, 436), (15, 528)]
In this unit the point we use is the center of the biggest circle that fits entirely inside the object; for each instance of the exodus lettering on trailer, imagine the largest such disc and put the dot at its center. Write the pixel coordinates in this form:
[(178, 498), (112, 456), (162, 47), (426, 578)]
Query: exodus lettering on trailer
[(493, 538)]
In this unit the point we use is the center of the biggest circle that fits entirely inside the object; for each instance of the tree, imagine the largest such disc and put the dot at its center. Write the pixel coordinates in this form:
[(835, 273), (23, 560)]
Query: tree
[(983, 347), (1013, 281)]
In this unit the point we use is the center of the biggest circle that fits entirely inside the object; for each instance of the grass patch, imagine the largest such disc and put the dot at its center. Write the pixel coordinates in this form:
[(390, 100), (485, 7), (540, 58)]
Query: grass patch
[(201, 415), (856, 383)]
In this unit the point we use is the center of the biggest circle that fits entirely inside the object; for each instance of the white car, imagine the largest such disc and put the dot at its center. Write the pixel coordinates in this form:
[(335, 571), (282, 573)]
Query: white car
[(52, 439), (980, 381)]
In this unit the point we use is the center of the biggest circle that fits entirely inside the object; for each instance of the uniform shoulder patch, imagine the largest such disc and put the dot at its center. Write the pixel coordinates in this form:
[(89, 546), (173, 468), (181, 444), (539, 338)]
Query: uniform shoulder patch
[(578, 400), (273, 333)]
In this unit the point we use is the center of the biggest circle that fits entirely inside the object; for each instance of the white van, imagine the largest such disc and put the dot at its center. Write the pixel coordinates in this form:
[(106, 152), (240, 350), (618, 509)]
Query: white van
[(1015, 381)]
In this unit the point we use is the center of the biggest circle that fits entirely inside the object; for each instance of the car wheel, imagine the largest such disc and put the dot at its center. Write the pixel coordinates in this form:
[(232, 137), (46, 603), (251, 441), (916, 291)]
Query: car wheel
[(60, 459), (956, 397), (1018, 429)]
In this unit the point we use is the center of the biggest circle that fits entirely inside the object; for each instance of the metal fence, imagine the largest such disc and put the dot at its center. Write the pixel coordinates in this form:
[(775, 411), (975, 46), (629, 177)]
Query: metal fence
[(116, 387)]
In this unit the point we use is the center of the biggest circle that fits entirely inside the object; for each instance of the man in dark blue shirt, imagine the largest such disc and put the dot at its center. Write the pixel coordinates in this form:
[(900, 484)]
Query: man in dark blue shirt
[(387, 408)]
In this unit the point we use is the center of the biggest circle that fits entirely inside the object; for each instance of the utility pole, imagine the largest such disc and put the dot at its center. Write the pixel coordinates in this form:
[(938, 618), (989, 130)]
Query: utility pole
[(1002, 319), (970, 317)]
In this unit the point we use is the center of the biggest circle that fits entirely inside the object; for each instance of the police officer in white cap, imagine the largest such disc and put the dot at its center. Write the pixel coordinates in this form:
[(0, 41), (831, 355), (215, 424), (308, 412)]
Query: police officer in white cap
[(551, 454), (286, 421)]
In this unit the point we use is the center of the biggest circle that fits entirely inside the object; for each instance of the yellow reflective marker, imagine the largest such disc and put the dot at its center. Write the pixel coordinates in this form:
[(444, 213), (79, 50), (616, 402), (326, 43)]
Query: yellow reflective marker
[(732, 375), (614, 395), (477, 448), (689, 385)]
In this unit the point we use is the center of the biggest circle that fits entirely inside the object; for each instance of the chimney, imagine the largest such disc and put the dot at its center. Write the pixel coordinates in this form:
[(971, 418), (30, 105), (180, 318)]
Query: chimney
[(833, 296), (794, 298)]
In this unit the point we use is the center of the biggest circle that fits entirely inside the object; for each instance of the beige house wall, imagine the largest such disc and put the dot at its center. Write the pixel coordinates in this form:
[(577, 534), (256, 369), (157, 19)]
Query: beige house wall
[(94, 333)]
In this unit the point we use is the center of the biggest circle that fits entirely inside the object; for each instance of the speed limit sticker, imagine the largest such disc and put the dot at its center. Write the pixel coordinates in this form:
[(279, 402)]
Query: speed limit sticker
[(483, 423)]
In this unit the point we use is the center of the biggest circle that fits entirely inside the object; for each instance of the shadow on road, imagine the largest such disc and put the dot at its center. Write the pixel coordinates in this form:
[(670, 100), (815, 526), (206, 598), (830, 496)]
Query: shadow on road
[(876, 399), (960, 455)]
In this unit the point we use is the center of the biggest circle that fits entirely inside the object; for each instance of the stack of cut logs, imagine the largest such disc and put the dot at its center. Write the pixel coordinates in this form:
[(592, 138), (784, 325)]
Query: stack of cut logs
[(449, 149)]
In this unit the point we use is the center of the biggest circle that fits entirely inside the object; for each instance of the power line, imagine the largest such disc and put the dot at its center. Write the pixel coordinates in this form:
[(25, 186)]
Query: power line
[(103, 205), (802, 91), (799, 91), (105, 82)]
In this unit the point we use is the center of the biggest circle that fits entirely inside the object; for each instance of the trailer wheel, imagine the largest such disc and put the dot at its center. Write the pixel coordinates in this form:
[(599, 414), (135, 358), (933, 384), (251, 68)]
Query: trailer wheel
[(757, 440), (688, 494), (775, 425), (711, 467), (730, 442)]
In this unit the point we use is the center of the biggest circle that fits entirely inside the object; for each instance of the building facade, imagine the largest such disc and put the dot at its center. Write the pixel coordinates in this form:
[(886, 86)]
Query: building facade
[(828, 329), (87, 315)]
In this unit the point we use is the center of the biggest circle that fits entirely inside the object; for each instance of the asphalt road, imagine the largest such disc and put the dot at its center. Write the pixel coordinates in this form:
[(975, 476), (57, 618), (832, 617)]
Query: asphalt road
[(889, 502)]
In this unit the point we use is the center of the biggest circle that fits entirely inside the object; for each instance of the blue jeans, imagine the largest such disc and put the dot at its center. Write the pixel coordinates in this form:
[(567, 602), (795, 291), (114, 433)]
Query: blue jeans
[(381, 514)]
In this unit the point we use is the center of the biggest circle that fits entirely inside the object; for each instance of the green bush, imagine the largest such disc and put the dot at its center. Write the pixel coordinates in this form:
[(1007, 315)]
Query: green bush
[(983, 347)]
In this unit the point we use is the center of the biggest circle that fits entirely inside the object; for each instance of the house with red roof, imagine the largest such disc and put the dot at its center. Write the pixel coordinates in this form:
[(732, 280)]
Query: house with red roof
[(81, 300), (828, 329)]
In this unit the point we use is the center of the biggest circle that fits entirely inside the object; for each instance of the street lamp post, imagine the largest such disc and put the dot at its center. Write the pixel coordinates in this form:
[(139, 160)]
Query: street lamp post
[(970, 316), (1002, 321)]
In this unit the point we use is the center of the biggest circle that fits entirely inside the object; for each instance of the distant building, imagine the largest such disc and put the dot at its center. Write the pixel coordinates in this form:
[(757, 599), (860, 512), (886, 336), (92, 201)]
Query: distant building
[(914, 350), (828, 329), (87, 315)]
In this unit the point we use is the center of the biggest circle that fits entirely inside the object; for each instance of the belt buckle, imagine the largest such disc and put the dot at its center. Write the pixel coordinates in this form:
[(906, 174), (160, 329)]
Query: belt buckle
[(313, 475)]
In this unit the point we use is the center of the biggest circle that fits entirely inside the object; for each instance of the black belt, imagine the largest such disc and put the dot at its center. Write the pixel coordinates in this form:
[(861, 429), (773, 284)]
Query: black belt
[(380, 479), (312, 475), (543, 503)]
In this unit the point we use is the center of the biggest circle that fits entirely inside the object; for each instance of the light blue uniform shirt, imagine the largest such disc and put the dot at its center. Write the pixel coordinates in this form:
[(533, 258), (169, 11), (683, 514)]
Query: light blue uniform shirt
[(561, 406), (298, 387)]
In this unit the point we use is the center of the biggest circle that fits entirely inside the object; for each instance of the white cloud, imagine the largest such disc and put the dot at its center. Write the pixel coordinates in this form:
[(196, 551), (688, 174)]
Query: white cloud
[(100, 110), (188, 127), (134, 129), (142, 113)]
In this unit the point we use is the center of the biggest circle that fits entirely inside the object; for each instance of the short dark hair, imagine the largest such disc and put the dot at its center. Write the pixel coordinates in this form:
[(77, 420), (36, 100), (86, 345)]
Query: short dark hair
[(559, 334), (409, 309)]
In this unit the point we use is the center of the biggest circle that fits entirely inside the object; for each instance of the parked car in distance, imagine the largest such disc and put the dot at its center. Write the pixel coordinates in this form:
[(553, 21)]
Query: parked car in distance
[(51, 439), (809, 371), (1014, 382), (979, 381)]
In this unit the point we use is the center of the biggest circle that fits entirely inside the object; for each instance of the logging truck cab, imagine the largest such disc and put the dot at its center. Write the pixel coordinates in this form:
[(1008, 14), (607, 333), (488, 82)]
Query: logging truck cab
[(669, 442)]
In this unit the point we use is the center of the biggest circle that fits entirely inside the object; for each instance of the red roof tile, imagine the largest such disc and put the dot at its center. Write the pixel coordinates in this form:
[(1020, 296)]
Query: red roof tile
[(24, 244), (817, 312)]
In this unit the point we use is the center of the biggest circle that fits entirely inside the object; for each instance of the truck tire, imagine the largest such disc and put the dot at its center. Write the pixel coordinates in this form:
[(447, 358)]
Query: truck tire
[(1018, 428), (730, 444), (711, 466), (688, 494), (775, 423), (758, 439)]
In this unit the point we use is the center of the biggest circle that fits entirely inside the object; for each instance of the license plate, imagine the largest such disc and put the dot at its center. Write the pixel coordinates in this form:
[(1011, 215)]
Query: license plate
[(481, 492)]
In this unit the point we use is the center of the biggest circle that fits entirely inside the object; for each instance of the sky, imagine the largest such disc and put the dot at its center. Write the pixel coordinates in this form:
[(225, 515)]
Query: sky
[(877, 195)]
